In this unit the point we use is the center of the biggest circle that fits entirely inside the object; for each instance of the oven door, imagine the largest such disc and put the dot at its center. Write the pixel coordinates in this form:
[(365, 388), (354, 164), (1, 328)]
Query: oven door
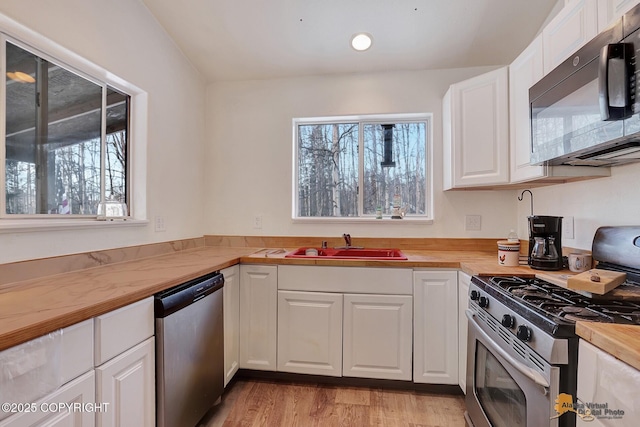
[(503, 389)]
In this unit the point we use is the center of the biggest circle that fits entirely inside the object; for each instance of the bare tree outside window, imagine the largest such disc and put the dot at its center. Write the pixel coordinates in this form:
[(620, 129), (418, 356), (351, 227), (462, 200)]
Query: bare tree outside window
[(58, 159), (340, 168)]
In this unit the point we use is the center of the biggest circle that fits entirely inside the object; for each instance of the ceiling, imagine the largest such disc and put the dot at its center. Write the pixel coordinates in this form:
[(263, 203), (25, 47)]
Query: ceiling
[(262, 39)]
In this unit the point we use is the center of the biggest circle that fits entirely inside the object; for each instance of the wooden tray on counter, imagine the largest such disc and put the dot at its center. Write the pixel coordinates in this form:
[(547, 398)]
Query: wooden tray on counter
[(626, 291)]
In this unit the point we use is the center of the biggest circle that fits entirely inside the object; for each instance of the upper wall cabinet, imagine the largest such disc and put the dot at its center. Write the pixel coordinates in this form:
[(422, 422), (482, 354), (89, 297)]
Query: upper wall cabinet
[(572, 27), (476, 131), (524, 72), (610, 10)]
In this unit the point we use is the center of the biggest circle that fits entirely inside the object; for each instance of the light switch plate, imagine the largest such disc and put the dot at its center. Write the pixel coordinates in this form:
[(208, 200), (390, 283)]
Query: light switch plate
[(159, 223), (473, 222), (567, 228)]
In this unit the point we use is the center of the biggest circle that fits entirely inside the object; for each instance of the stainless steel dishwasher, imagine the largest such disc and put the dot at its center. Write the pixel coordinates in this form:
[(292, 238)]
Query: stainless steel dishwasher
[(189, 350)]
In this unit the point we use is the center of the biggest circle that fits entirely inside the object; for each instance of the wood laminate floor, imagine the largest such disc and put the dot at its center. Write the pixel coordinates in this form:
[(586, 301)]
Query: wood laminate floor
[(250, 402)]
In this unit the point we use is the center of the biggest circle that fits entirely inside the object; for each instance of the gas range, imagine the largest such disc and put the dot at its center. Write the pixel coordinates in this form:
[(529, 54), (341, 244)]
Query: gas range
[(522, 348), (532, 308)]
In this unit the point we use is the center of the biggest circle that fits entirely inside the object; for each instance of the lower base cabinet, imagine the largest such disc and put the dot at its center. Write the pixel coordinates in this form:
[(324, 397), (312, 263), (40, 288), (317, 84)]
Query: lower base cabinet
[(231, 313), (351, 335), (51, 411), (610, 386), (126, 384), (310, 333), (377, 336), (435, 335), (258, 316)]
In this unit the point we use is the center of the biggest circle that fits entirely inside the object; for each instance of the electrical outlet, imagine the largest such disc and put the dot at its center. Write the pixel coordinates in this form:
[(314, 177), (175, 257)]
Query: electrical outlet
[(159, 223), (473, 222), (567, 228), (257, 221)]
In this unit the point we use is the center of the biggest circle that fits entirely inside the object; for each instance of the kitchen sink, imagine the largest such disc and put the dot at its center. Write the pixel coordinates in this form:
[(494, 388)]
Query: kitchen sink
[(347, 253)]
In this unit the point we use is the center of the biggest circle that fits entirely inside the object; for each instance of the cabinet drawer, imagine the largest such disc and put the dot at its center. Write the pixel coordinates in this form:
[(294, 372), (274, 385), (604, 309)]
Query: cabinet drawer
[(77, 350), (121, 329), (396, 281), (37, 367)]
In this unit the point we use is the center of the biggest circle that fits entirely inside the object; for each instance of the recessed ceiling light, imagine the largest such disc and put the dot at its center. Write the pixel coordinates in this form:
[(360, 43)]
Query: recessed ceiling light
[(361, 41)]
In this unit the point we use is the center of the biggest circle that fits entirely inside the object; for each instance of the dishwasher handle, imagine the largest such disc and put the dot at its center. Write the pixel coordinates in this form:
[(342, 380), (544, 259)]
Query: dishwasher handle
[(171, 300)]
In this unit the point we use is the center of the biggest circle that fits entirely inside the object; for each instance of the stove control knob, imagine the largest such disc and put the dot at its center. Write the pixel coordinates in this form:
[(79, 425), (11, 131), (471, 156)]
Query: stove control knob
[(523, 333), (508, 321), (483, 302), (474, 295)]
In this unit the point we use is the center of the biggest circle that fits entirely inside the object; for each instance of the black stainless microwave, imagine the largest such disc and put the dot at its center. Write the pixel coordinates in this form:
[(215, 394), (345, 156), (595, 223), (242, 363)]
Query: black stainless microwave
[(586, 112)]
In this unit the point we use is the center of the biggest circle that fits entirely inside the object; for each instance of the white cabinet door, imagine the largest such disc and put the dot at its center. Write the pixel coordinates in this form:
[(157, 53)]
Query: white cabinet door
[(127, 384), (611, 10), (80, 392), (524, 72), (435, 317), (258, 316), (231, 312), (377, 336), (604, 379), (476, 131), (310, 333), (463, 303), (570, 29)]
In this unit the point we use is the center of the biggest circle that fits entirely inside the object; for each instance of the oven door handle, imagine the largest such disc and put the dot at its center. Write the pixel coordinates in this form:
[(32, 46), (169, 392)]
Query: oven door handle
[(524, 369)]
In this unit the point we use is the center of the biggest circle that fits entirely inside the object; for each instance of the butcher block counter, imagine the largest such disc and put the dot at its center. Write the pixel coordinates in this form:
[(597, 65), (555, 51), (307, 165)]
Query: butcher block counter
[(621, 341), (31, 308), (34, 307)]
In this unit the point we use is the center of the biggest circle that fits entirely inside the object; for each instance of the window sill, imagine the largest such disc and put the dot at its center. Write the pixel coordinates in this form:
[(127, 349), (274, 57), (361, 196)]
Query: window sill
[(363, 220), (29, 225)]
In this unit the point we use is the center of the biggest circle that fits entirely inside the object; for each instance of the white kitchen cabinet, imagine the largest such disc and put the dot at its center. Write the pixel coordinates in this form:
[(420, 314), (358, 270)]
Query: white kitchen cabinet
[(611, 10), (49, 411), (310, 333), (464, 280), (377, 336), (125, 365), (127, 384), (476, 131), (604, 379), (34, 369), (524, 72), (231, 312), (435, 330), (258, 316), (349, 321), (570, 29), (121, 329)]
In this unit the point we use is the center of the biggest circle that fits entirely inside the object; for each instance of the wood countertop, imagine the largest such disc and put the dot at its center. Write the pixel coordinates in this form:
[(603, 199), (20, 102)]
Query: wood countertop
[(621, 341), (32, 308)]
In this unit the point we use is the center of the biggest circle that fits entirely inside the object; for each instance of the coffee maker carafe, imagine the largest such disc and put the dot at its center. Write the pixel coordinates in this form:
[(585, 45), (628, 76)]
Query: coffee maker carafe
[(545, 246)]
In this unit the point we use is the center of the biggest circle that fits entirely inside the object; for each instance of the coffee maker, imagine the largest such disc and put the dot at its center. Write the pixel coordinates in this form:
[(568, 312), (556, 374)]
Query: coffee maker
[(545, 246)]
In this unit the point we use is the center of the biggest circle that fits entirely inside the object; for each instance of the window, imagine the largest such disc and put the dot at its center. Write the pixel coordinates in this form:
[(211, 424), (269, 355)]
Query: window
[(362, 167), (66, 138)]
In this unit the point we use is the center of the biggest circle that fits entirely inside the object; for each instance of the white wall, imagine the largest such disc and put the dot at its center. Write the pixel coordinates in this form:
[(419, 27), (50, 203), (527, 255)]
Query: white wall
[(599, 202), (249, 157), (123, 37)]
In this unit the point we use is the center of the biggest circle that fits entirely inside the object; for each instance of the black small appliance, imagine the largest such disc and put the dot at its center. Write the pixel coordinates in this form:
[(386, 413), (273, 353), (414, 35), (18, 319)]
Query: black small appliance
[(545, 245)]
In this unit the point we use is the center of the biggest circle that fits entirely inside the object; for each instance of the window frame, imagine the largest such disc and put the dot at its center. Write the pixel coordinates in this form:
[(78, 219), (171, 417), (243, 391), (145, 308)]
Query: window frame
[(37, 44), (362, 120)]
